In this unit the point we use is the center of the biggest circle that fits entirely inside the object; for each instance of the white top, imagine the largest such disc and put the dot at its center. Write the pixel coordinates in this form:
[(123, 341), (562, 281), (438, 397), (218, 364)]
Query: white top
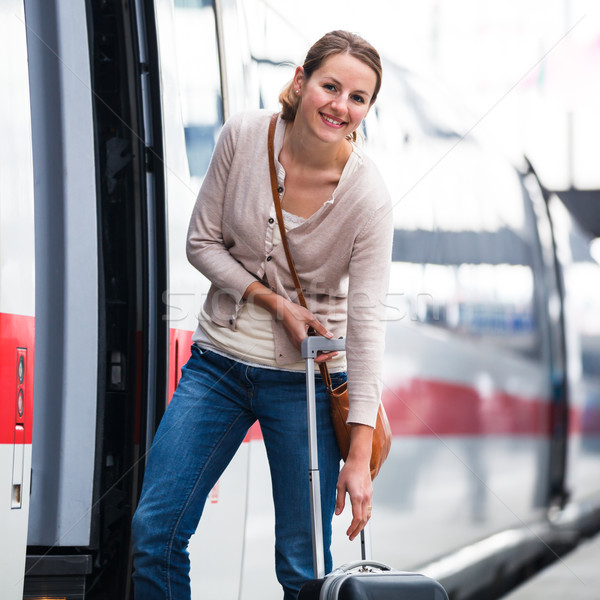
[(252, 341)]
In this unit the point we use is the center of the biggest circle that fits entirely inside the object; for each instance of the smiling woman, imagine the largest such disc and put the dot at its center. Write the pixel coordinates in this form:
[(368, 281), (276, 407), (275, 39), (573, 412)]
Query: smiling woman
[(316, 148), (246, 364), (326, 102), (335, 44)]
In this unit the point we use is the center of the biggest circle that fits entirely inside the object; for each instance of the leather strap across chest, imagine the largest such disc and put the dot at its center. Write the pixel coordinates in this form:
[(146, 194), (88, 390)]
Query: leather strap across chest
[(279, 212)]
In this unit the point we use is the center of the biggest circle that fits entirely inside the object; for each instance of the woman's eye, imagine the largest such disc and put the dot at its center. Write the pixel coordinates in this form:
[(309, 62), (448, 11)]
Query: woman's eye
[(330, 87), (358, 99)]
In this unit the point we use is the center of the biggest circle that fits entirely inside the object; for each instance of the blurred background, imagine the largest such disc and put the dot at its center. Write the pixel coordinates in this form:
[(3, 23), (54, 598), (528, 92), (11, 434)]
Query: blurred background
[(526, 73)]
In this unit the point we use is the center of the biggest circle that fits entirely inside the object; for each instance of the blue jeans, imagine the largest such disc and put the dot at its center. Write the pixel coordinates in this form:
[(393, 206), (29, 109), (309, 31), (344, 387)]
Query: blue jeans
[(216, 402)]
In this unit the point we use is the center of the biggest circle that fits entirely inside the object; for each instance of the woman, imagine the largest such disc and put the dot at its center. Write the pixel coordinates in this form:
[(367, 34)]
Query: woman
[(245, 363)]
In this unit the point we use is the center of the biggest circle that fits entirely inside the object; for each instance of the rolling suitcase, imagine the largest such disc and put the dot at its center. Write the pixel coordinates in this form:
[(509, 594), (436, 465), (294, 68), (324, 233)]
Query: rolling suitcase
[(365, 579)]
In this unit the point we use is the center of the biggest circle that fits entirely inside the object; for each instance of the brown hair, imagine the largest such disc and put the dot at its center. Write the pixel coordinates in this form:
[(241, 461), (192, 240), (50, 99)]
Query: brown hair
[(332, 43)]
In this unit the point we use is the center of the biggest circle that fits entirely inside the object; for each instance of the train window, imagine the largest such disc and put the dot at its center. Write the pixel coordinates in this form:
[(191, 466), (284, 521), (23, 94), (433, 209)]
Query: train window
[(581, 275), (199, 80), (192, 113), (465, 252), (277, 45)]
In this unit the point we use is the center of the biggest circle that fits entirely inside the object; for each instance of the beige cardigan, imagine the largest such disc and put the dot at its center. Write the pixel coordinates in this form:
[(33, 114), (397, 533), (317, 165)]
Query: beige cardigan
[(342, 253)]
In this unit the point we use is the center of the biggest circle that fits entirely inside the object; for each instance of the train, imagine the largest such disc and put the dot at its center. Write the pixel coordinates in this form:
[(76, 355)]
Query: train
[(109, 113)]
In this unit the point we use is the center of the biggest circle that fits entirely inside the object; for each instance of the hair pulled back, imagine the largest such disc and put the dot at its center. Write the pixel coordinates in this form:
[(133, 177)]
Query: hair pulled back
[(332, 43)]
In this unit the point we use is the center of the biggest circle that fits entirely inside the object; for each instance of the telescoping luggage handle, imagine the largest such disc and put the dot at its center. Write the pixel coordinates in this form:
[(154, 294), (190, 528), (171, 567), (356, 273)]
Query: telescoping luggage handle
[(310, 347)]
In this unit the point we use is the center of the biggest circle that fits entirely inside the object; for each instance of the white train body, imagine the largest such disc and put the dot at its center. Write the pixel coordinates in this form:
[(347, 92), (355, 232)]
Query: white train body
[(490, 376), (17, 299)]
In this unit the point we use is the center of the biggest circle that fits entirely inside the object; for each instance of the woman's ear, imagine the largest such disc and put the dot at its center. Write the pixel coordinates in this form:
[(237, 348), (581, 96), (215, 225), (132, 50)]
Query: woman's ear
[(298, 80)]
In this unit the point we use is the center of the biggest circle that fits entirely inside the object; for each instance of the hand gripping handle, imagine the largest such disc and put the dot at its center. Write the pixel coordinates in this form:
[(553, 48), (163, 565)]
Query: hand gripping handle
[(317, 343)]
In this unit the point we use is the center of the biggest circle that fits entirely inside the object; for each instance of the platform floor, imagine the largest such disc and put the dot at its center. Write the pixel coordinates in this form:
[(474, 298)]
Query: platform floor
[(575, 576)]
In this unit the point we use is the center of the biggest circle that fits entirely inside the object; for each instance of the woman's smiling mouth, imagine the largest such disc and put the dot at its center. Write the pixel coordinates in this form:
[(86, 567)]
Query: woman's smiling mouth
[(331, 121)]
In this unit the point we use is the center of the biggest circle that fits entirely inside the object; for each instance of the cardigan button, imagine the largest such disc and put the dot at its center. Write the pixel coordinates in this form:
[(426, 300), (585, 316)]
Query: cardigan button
[(271, 220), (280, 190), (231, 321), (269, 258)]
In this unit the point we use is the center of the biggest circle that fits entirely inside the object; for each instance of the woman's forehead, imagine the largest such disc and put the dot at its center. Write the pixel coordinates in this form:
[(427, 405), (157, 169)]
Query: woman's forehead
[(348, 69)]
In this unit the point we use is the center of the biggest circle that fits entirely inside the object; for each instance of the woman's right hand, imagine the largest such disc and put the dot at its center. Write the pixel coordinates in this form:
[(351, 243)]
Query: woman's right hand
[(296, 319)]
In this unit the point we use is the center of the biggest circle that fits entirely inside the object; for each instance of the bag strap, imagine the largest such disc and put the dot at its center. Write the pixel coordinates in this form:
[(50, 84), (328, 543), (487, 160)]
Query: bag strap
[(277, 202)]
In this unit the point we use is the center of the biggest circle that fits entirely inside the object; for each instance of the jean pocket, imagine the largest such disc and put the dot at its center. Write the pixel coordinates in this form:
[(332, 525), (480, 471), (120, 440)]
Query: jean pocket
[(199, 350)]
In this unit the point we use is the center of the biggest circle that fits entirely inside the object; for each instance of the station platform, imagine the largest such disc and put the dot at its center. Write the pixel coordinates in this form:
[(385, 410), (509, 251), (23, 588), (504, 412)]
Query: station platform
[(574, 576)]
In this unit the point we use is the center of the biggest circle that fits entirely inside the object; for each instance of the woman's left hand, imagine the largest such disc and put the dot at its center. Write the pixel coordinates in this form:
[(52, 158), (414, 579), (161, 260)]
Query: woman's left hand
[(355, 479)]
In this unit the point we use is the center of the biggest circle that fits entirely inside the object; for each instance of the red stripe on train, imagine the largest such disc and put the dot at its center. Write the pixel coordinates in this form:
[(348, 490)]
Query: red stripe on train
[(17, 338), (180, 342), (426, 407), (431, 408)]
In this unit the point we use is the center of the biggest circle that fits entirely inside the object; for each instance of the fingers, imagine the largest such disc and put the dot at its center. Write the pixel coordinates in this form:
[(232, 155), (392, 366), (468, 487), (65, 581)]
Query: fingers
[(325, 356), (297, 321), (361, 513), (340, 501), (359, 488), (320, 329), (322, 357)]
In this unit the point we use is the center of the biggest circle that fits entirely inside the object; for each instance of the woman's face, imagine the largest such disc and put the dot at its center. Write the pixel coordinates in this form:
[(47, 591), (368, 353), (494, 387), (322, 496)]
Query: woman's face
[(336, 98)]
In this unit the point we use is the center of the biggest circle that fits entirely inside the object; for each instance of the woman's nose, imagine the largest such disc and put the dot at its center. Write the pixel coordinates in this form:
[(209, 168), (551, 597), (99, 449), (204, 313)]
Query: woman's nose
[(340, 103)]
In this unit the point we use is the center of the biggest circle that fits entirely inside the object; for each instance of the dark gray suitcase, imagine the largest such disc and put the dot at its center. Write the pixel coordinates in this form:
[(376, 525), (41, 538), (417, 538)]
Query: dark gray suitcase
[(365, 579)]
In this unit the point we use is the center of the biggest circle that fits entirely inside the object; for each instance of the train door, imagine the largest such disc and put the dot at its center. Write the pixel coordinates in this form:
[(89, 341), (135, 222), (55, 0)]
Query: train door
[(63, 511), (552, 283), (132, 349), (17, 293), (101, 270), (579, 419)]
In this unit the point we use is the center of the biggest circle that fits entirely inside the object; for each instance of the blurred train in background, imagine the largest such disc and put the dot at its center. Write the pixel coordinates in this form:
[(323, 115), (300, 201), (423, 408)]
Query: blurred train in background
[(108, 117)]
